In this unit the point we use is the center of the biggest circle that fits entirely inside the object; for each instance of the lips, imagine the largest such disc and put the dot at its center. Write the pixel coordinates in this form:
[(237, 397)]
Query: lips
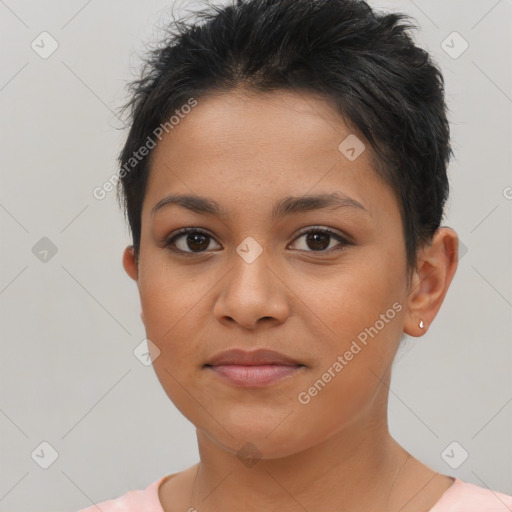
[(260, 357), (255, 369)]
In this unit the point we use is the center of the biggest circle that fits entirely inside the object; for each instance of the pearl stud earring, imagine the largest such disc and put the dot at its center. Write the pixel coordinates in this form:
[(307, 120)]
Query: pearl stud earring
[(421, 324)]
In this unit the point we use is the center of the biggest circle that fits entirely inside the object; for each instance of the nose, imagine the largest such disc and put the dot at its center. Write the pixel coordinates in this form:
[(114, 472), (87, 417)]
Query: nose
[(252, 294)]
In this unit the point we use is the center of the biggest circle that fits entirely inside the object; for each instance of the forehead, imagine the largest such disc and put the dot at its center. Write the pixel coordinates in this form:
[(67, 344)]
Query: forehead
[(240, 147), (264, 125)]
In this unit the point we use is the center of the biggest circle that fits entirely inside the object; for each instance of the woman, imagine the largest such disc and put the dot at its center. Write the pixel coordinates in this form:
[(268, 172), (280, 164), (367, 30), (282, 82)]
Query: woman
[(284, 179)]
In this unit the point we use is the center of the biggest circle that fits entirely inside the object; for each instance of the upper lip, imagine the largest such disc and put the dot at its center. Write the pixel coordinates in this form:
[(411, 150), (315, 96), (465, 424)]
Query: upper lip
[(253, 358)]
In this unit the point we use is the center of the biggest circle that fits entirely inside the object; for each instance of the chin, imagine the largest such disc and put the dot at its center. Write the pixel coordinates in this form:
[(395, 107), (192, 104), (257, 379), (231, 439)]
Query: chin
[(257, 440)]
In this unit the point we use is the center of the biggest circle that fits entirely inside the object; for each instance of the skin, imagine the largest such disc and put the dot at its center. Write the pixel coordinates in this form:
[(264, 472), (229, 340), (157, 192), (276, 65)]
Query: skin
[(246, 152)]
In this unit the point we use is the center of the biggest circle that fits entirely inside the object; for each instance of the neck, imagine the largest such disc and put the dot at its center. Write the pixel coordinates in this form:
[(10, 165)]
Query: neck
[(357, 469)]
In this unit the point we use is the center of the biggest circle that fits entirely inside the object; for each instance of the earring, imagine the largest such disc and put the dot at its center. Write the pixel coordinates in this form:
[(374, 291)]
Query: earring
[(421, 324)]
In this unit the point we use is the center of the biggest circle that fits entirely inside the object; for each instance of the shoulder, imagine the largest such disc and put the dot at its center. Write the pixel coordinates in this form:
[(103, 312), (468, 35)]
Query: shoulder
[(467, 497), (133, 501)]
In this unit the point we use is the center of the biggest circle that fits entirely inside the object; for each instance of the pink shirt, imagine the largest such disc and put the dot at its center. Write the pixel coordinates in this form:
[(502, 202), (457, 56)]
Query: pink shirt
[(459, 497)]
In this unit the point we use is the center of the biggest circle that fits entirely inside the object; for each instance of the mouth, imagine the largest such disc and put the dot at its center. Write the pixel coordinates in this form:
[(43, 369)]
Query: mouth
[(254, 375), (258, 368)]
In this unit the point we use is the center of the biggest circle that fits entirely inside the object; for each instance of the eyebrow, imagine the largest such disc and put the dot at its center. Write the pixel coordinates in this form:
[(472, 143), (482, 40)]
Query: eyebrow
[(287, 206)]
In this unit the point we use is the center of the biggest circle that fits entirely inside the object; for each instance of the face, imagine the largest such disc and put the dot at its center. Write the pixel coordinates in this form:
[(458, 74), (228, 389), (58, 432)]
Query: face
[(324, 285)]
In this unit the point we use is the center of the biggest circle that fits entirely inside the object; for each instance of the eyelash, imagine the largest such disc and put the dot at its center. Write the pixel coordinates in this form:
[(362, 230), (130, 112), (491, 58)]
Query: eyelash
[(314, 229)]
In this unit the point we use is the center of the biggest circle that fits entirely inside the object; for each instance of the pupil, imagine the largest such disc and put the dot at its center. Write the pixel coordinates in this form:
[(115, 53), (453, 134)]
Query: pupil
[(193, 237), (313, 237)]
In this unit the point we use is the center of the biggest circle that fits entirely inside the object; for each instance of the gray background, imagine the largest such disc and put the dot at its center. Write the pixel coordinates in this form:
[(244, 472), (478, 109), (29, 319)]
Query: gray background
[(70, 324)]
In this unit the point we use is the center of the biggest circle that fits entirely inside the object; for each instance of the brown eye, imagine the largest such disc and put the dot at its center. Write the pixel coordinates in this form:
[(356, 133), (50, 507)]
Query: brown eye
[(318, 240), (189, 240)]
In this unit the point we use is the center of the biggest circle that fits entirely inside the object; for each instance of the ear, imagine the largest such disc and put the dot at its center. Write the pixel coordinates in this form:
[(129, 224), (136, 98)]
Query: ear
[(130, 263), (131, 267), (437, 263)]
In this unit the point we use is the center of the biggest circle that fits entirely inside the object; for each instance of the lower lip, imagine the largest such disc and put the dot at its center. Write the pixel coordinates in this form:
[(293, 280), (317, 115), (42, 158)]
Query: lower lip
[(254, 376)]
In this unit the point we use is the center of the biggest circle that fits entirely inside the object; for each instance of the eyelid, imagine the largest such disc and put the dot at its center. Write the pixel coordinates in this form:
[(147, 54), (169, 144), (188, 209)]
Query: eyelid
[(345, 237)]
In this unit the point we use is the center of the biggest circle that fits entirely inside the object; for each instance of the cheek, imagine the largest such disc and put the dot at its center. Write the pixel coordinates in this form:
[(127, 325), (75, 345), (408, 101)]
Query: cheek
[(168, 293), (343, 304), (171, 310), (172, 324), (362, 324)]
